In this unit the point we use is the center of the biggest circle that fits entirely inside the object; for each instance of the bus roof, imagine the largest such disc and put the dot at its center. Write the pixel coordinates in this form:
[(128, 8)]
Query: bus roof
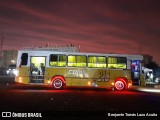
[(47, 52)]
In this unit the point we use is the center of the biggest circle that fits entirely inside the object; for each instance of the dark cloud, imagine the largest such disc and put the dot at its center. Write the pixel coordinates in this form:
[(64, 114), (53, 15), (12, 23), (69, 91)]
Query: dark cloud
[(107, 26)]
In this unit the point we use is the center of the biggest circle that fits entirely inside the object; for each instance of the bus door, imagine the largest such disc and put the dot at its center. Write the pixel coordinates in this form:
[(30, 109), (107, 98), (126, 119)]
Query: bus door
[(135, 71), (37, 69)]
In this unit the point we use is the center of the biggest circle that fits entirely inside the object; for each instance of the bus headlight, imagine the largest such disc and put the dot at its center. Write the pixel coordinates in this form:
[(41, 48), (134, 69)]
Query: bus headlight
[(15, 72), (157, 80), (8, 72), (151, 76)]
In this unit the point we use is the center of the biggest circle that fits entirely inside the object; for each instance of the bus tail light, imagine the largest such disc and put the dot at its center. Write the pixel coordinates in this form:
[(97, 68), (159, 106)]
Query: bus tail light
[(129, 85)]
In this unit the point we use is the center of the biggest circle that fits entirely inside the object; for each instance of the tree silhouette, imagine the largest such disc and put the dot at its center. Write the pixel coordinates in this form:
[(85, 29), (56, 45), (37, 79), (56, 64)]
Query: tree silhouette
[(152, 65)]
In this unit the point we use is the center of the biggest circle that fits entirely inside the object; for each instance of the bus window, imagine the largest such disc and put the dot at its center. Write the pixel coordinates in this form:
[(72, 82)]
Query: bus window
[(24, 59), (101, 62), (122, 62), (81, 61), (62, 61), (72, 61), (53, 60), (91, 59), (117, 62), (96, 61), (57, 60), (76, 61)]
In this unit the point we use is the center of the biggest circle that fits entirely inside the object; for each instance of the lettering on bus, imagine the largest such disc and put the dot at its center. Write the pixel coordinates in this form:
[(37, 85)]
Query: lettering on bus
[(103, 76), (78, 73)]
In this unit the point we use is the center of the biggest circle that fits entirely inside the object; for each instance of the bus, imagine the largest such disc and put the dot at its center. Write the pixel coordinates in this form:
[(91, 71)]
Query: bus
[(65, 66)]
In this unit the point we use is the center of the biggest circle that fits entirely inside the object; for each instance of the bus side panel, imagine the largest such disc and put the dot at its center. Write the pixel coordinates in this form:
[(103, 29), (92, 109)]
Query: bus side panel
[(100, 77), (114, 74), (23, 75), (73, 76), (87, 76), (105, 78), (51, 72), (77, 77), (81, 76)]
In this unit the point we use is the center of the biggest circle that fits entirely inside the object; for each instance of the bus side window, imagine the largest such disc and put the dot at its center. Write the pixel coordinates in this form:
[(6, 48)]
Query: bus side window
[(53, 60), (24, 59), (117, 62)]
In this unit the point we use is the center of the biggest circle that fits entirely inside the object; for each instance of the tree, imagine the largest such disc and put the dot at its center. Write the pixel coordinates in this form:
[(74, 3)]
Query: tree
[(152, 65)]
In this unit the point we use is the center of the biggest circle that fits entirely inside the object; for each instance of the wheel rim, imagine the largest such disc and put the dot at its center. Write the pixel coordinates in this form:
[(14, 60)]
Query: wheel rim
[(119, 85), (57, 83)]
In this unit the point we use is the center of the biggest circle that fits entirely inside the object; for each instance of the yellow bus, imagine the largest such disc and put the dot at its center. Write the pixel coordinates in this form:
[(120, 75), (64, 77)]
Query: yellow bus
[(65, 66)]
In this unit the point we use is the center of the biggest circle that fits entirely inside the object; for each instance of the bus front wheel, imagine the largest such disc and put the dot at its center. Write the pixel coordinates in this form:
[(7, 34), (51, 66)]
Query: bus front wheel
[(119, 85), (57, 84)]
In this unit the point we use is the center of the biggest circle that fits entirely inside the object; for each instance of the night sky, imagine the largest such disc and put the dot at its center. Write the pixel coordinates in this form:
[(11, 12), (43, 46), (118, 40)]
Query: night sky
[(103, 26)]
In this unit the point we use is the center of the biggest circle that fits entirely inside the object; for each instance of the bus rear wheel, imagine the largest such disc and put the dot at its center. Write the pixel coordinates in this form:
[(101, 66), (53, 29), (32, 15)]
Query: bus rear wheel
[(119, 85), (57, 84)]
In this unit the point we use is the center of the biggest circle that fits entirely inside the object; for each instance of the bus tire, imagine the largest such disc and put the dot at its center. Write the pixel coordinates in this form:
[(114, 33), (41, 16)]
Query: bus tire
[(57, 84), (119, 85)]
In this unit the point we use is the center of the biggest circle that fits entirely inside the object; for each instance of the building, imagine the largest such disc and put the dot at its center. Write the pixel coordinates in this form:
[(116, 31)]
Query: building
[(8, 57)]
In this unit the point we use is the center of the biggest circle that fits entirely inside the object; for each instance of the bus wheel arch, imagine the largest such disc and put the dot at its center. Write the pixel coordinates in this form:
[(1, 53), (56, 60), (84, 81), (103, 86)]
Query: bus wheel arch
[(120, 83), (58, 82)]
